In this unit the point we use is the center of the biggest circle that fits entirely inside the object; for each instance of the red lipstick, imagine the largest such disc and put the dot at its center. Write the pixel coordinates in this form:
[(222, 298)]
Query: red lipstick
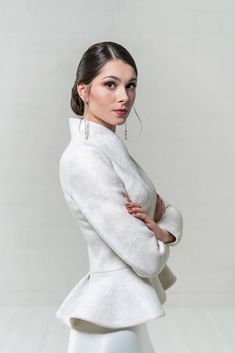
[(120, 111)]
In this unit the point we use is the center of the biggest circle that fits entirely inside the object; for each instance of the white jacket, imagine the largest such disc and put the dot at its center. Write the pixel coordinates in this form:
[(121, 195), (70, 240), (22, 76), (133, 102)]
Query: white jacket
[(128, 274)]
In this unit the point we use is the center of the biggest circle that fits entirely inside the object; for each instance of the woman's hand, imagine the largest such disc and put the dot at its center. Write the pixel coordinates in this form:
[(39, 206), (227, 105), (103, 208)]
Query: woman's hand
[(160, 209), (137, 211)]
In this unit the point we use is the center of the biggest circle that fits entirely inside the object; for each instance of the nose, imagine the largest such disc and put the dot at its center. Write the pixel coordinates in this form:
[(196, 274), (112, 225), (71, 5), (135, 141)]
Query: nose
[(122, 95)]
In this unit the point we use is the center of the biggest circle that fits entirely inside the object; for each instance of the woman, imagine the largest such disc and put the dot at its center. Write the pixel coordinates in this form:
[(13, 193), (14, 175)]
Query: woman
[(128, 227)]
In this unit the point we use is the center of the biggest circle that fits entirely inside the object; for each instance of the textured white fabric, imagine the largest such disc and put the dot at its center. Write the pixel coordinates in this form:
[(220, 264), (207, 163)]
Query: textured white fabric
[(128, 274)]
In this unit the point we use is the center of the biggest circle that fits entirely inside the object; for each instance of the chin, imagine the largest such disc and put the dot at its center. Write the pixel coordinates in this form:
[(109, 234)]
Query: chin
[(121, 120)]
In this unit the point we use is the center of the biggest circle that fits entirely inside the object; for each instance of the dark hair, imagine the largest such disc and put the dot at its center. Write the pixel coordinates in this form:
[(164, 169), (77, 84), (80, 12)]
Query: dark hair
[(90, 65)]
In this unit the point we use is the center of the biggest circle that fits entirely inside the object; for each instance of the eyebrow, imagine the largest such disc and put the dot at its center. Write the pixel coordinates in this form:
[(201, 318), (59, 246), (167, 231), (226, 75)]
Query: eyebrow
[(116, 78)]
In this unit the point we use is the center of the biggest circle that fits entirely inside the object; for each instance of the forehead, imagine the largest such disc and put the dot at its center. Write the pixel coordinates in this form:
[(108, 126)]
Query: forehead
[(117, 68)]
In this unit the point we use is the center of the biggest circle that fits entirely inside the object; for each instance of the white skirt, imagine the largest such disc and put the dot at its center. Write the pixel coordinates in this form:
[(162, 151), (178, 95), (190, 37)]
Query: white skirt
[(87, 337)]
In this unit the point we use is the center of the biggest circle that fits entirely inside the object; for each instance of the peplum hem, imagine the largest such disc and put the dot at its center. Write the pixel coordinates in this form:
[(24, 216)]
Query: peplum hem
[(114, 299)]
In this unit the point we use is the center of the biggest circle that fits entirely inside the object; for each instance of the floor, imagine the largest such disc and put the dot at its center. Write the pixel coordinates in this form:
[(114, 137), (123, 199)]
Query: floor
[(182, 330)]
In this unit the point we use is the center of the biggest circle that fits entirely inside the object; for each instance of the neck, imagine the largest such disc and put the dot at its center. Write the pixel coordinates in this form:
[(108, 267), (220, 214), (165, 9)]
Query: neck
[(101, 122)]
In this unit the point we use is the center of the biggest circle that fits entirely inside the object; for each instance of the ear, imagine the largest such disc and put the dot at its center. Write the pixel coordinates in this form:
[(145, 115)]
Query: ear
[(81, 88)]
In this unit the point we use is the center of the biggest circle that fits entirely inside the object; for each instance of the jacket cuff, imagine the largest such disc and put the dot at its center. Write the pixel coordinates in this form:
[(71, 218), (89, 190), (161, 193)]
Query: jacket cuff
[(172, 221)]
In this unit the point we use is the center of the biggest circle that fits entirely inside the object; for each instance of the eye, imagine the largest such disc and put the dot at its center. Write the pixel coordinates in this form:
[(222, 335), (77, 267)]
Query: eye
[(133, 84), (109, 83)]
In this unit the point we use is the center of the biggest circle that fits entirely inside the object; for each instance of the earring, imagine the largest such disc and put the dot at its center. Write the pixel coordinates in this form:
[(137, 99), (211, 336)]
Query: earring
[(126, 130), (86, 125), (86, 129)]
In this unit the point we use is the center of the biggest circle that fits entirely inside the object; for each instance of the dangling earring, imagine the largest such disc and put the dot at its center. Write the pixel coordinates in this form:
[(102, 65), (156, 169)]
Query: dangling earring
[(86, 125), (126, 130), (86, 129)]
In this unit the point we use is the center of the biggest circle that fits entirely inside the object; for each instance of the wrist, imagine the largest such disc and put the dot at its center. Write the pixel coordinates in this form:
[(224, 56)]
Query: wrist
[(170, 237), (166, 236), (161, 234)]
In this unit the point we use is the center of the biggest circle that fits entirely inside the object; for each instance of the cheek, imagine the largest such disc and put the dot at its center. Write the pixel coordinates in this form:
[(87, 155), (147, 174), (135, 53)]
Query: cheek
[(132, 96), (102, 96), (103, 103)]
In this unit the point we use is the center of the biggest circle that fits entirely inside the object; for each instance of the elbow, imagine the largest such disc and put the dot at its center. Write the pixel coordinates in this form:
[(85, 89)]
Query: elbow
[(155, 264), (179, 228), (173, 223)]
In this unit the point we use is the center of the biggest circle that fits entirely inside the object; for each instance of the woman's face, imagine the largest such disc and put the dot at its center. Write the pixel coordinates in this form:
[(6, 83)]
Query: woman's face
[(108, 94)]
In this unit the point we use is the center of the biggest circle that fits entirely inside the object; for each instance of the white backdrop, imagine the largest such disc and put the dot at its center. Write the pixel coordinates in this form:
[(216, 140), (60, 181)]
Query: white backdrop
[(185, 53)]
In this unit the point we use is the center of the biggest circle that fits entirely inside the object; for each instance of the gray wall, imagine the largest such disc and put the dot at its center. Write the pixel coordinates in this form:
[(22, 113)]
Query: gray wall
[(185, 53)]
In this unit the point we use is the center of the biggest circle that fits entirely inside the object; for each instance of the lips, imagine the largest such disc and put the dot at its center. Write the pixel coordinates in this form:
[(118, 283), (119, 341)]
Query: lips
[(120, 110)]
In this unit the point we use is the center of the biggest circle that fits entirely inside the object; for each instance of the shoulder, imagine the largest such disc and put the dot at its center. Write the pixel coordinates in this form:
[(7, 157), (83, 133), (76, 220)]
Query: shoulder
[(83, 158)]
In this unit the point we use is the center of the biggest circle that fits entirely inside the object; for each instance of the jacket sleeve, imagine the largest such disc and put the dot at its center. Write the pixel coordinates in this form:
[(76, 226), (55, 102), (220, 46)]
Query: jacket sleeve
[(89, 178), (172, 221)]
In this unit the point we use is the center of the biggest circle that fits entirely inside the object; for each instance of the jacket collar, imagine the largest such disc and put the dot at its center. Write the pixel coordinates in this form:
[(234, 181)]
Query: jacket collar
[(100, 136), (106, 140)]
